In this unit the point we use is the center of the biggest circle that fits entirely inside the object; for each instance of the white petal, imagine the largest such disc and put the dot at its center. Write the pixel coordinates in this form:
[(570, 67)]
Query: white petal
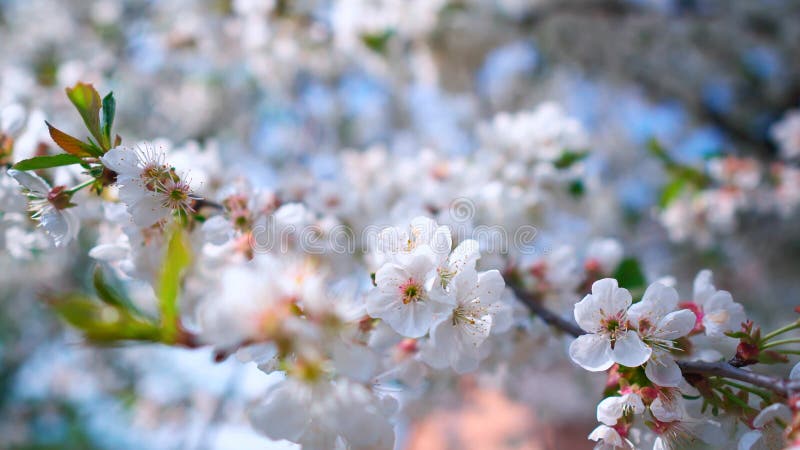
[(666, 411), (592, 352), (588, 313), (61, 225), (503, 313), (109, 252), (410, 320), (609, 410), (464, 255), (661, 444), (421, 266), (629, 350), (664, 371), (472, 334), (490, 286), (390, 276), (283, 414), (31, 182), (147, 211), (607, 252), (676, 324), (772, 412), (722, 314), (122, 160), (795, 373), (611, 297), (658, 300), (12, 119), (437, 351), (749, 440), (217, 230), (465, 284), (608, 436), (703, 286), (355, 361)]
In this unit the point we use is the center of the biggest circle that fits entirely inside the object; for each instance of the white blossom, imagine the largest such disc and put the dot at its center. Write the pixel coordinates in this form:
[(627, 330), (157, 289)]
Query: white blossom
[(659, 324), (610, 339), (148, 186), (457, 339), (608, 438), (717, 310), (48, 206), (611, 409), (404, 297)]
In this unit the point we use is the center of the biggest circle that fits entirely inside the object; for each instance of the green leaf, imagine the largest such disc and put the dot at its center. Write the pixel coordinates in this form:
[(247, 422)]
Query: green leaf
[(737, 334), (87, 102), (577, 189), (569, 158), (377, 41), (103, 324), (72, 145), (109, 109), (176, 259), (678, 170), (671, 192), (110, 294), (629, 274), (45, 162)]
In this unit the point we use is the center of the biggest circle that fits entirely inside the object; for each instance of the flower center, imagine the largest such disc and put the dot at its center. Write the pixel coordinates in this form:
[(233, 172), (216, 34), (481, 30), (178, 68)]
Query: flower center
[(177, 195), (461, 315), (154, 175), (614, 324), (59, 197), (411, 291)]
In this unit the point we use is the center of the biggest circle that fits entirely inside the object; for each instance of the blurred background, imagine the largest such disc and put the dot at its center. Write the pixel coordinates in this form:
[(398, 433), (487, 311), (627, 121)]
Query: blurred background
[(269, 83)]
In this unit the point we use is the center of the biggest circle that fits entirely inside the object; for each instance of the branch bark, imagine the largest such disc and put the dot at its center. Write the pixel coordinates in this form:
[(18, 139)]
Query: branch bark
[(782, 386)]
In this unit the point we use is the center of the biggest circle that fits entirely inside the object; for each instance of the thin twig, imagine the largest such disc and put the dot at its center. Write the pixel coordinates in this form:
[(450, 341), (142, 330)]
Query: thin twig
[(781, 386)]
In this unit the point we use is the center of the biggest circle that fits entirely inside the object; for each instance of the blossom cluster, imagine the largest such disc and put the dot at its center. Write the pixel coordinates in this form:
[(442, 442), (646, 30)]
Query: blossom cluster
[(651, 334), (357, 337), (698, 206)]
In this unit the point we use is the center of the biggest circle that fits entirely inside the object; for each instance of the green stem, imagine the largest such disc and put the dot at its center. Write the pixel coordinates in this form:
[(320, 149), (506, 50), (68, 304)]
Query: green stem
[(763, 394), (780, 331), (780, 342), (734, 399), (789, 352), (73, 190)]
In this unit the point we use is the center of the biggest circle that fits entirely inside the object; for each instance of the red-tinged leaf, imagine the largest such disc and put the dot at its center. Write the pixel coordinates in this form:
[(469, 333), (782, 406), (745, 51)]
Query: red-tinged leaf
[(772, 357), (87, 101), (70, 144)]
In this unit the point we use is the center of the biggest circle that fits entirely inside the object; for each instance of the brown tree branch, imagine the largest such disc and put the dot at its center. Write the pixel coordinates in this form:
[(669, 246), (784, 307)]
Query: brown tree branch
[(782, 386)]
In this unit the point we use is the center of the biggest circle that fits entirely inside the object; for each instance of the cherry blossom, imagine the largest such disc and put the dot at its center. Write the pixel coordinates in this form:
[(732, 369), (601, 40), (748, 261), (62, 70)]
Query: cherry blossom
[(457, 339), (49, 206), (716, 310), (610, 337), (659, 324), (149, 187), (403, 295)]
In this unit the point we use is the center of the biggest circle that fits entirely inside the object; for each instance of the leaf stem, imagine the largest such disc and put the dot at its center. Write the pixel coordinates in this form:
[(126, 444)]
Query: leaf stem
[(73, 190), (792, 326), (780, 342), (753, 390)]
